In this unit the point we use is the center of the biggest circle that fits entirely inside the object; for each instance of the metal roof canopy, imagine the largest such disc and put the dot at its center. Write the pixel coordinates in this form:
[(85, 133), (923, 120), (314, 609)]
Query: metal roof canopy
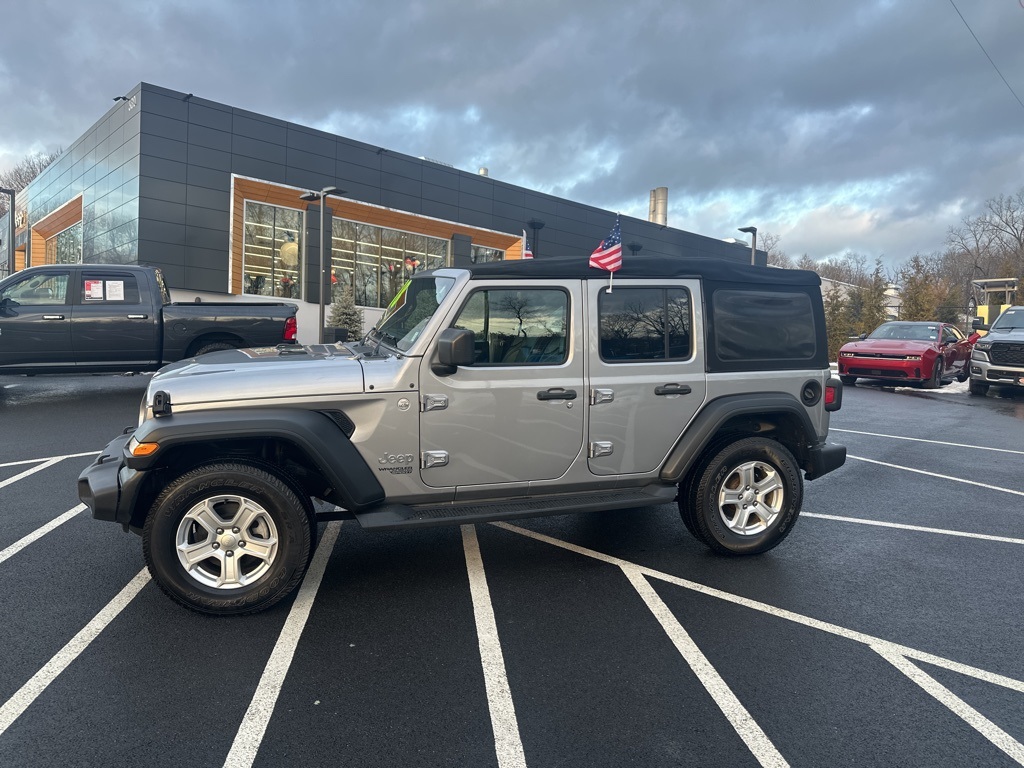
[(994, 285)]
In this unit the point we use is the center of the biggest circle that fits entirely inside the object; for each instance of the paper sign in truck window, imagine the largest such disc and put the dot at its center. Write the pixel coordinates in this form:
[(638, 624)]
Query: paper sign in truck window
[(93, 290), (115, 290)]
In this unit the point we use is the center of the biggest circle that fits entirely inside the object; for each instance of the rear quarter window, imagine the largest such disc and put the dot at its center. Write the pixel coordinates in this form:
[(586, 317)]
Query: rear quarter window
[(763, 327)]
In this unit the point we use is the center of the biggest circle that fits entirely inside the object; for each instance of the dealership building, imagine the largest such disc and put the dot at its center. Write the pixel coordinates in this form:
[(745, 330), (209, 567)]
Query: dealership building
[(219, 199)]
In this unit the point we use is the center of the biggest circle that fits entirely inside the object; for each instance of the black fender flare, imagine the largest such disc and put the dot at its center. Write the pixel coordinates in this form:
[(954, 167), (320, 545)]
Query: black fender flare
[(314, 433), (705, 426)]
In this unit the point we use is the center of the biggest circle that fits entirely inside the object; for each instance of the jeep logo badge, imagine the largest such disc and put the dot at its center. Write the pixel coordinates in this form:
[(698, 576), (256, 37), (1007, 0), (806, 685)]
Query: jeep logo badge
[(396, 458)]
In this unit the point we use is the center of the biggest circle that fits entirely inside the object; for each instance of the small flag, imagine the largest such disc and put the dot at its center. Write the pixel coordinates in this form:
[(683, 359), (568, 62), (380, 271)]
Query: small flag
[(527, 250), (608, 255)]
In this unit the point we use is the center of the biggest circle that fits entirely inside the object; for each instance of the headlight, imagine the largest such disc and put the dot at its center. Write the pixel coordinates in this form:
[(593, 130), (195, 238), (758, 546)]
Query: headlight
[(846, 354), (980, 354)]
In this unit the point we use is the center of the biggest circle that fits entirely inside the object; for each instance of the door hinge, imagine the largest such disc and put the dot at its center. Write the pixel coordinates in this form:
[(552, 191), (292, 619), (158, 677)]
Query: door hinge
[(601, 396), (600, 448), (434, 403), (429, 459)]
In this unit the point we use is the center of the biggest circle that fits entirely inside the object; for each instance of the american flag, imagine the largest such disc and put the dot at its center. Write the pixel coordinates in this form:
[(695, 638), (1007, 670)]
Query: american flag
[(608, 255), (527, 250)]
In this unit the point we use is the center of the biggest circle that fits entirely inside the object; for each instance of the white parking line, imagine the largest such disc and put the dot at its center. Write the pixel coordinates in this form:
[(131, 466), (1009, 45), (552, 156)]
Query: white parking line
[(782, 613), (254, 724), (922, 440), (935, 474), (38, 533), (38, 683), (955, 704), (507, 742), (919, 528), (22, 475), (738, 716), (51, 459)]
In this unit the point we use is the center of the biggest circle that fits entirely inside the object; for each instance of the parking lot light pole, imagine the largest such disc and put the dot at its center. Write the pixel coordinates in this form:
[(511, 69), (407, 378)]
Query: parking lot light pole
[(324, 253), (752, 231), (10, 242)]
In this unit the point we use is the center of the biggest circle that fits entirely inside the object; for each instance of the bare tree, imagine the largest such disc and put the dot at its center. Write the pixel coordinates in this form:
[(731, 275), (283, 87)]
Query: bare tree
[(776, 256), (18, 177)]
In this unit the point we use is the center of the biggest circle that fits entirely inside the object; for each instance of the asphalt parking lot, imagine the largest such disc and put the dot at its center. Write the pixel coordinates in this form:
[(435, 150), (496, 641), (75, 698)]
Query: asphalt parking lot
[(885, 631)]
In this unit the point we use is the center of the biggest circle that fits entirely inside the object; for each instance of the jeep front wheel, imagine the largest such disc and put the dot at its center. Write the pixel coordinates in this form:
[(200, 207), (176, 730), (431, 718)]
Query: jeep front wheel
[(746, 497), (228, 539)]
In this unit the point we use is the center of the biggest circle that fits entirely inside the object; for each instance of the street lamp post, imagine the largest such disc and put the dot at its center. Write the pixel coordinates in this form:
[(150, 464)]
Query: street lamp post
[(752, 231), (10, 242), (324, 252)]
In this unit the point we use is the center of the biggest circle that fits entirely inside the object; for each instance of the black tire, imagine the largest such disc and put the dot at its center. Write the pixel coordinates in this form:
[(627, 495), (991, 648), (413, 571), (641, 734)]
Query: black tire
[(214, 346), (849, 381), (964, 374), (935, 380), (774, 509), (273, 520), (979, 388)]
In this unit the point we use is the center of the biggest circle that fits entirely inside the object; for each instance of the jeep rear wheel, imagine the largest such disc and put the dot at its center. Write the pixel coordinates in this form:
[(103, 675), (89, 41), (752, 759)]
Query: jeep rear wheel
[(228, 539), (746, 498)]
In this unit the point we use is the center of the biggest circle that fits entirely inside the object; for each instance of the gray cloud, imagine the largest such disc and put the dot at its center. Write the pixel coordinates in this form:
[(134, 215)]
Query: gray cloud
[(870, 127)]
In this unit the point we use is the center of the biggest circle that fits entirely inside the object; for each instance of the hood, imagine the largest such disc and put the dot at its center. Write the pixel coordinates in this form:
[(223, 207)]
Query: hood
[(285, 372), (888, 347), (1003, 334)]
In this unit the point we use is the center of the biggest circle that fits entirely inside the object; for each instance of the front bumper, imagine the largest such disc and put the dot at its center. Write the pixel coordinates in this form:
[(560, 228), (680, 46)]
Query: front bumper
[(993, 373), (882, 368), (108, 487), (823, 459)]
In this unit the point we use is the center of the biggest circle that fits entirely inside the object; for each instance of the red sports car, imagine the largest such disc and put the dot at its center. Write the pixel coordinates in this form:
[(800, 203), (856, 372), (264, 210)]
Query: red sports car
[(925, 353)]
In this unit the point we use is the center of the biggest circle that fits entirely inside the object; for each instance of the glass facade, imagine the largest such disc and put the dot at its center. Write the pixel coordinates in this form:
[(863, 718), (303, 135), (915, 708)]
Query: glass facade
[(481, 254), (65, 247), (376, 261), (272, 251)]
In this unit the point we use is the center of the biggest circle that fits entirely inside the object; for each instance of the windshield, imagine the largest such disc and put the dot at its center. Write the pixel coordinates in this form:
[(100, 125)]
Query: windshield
[(1010, 320), (411, 310), (906, 331)]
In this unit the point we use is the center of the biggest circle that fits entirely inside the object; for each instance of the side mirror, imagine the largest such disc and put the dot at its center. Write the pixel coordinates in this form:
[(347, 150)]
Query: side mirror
[(978, 324), (455, 347), (862, 336)]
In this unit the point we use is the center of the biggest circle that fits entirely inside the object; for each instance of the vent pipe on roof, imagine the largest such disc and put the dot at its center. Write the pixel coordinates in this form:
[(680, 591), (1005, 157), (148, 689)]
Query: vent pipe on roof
[(658, 212), (483, 170)]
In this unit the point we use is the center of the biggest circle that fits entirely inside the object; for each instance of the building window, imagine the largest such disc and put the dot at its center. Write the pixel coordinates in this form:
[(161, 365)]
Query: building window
[(481, 254), (272, 251), (65, 247), (376, 261)]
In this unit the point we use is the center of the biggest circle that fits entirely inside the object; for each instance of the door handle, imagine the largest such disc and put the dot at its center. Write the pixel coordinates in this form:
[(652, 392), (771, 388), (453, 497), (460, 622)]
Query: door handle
[(137, 317), (557, 393), (53, 317), (673, 389)]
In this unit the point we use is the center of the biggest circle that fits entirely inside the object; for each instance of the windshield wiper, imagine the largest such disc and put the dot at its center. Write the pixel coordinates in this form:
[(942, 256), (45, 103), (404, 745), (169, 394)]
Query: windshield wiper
[(382, 337)]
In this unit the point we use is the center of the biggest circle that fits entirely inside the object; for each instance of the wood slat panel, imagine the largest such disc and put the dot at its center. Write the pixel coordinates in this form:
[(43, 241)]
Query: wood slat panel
[(37, 253), (66, 216)]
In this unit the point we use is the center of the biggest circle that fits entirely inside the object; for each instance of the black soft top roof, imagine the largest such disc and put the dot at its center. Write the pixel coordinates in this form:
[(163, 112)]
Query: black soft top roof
[(577, 267)]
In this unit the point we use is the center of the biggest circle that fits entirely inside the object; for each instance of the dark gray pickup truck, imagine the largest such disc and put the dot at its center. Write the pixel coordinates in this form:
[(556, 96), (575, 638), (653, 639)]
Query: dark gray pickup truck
[(106, 317)]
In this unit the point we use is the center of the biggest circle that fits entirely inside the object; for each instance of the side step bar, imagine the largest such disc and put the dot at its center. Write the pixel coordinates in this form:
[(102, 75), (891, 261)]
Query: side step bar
[(426, 515)]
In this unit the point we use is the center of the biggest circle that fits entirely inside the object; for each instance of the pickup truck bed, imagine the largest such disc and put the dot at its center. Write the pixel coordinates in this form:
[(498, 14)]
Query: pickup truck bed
[(105, 317)]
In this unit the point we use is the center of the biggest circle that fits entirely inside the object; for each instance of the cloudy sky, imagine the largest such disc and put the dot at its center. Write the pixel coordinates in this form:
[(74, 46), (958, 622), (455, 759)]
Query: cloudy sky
[(868, 126)]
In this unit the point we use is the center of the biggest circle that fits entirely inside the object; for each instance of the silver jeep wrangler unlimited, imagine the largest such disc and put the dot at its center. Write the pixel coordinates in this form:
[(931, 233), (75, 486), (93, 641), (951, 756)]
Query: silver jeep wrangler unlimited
[(506, 390)]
